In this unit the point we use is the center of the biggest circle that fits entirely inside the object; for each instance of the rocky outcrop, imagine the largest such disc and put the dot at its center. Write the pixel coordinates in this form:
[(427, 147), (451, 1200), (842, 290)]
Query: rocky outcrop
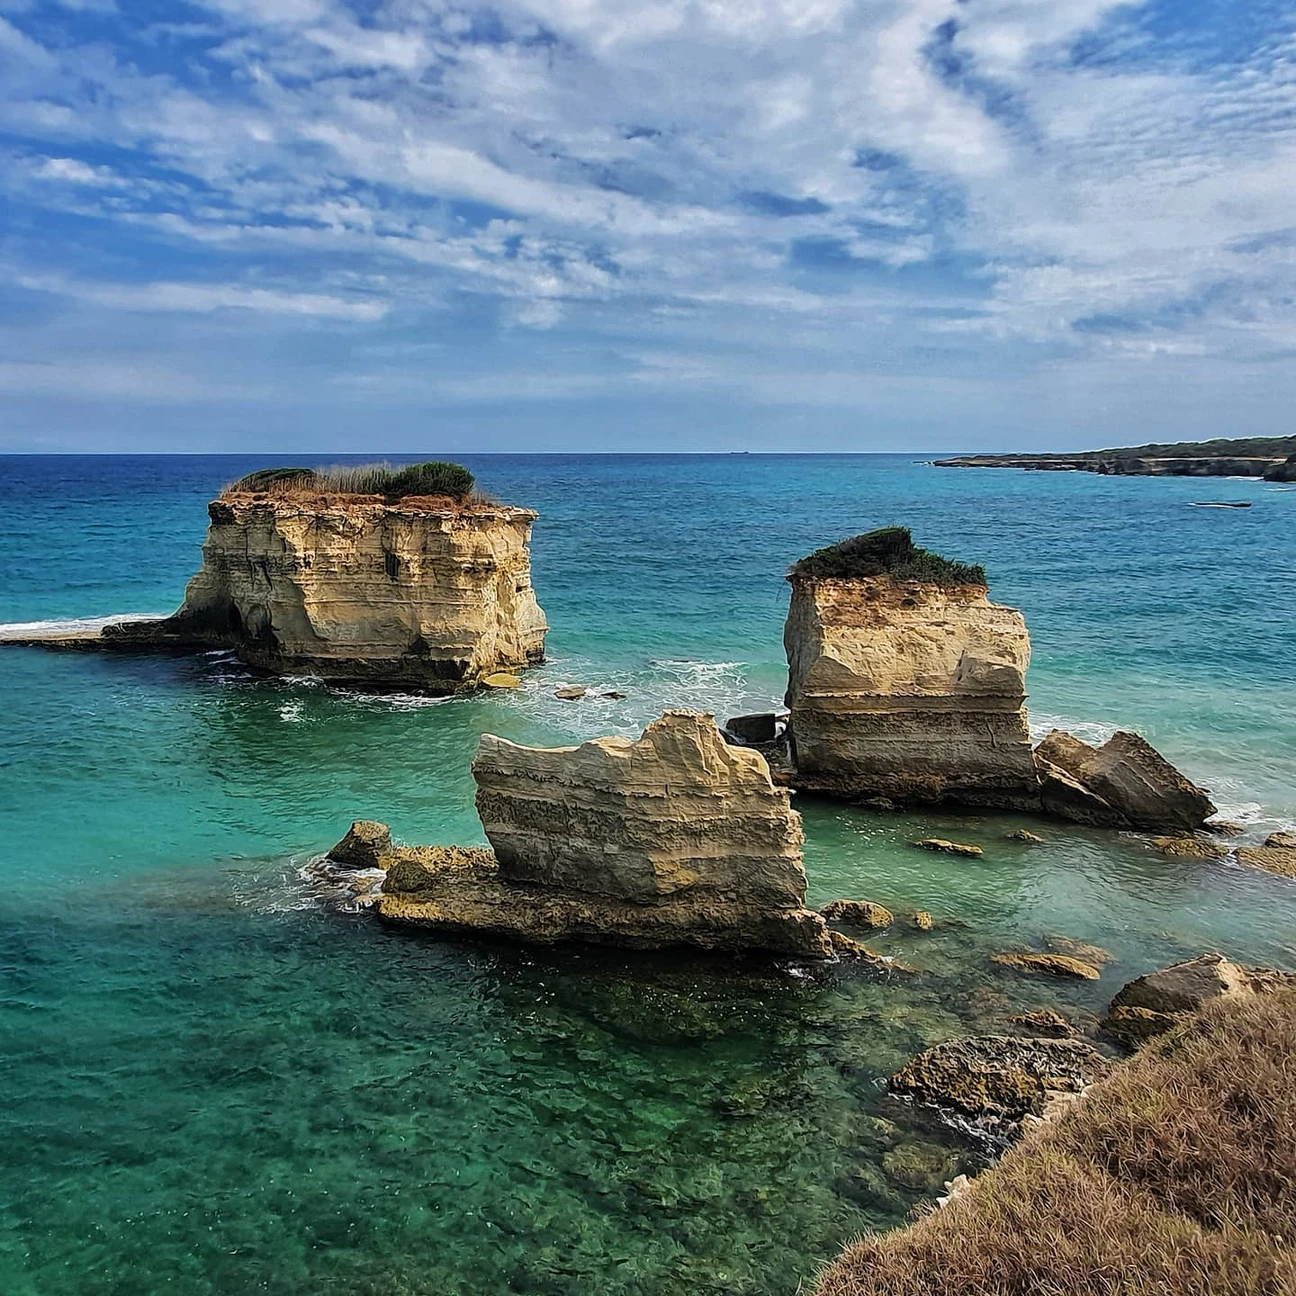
[(909, 690), (673, 839), (422, 593), (1277, 855), (1282, 472), (999, 1080), (1155, 1002), (1125, 783)]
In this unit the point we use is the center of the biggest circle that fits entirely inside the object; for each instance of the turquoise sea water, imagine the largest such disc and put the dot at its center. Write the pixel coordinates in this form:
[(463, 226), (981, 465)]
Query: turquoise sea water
[(214, 1085)]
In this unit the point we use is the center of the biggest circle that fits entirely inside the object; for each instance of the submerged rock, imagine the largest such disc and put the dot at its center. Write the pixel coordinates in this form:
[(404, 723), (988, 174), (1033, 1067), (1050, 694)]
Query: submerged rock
[(998, 1080), (1063, 965), (574, 693), (948, 847), (418, 592), (1280, 860), (1189, 847), (675, 838), (858, 913), (1044, 1021), (1024, 835), (1125, 783), (921, 919), (907, 683)]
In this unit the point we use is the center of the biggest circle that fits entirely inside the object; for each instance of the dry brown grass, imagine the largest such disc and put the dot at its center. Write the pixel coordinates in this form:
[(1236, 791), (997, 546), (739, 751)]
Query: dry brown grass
[(1174, 1177)]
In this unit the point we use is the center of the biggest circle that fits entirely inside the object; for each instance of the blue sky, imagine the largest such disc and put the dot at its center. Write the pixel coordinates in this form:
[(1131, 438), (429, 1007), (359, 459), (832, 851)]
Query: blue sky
[(409, 226)]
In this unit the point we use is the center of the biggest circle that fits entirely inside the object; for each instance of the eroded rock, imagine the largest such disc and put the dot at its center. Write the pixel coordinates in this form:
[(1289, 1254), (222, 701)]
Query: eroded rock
[(1063, 965), (1125, 783), (1156, 1001), (422, 593), (675, 838), (946, 847), (367, 845), (1279, 860), (997, 1080), (858, 913), (907, 689)]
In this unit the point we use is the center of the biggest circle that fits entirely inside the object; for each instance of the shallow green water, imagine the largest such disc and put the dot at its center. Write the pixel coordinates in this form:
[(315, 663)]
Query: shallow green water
[(213, 1085)]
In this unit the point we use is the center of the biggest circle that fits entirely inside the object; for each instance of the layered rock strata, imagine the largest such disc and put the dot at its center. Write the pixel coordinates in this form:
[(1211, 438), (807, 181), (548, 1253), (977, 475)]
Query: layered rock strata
[(908, 690), (420, 593), (1125, 783), (675, 838)]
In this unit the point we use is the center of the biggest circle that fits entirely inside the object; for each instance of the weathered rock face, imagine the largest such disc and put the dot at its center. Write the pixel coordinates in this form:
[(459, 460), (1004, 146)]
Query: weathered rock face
[(1157, 1001), (676, 838), (1125, 783), (910, 691), (1282, 472), (430, 596), (999, 1080)]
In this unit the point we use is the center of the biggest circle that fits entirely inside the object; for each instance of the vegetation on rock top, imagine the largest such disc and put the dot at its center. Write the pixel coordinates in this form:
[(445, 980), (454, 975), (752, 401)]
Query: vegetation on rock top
[(889, 551), (431, 478)]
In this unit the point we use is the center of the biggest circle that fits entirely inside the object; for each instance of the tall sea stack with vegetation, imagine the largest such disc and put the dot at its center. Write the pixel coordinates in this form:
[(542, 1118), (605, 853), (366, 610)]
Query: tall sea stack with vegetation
[(394, 577), (904, 680)]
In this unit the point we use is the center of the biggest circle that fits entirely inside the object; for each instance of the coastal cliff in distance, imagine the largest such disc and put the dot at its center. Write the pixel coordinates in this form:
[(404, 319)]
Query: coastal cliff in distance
[(904, 680), (1273, 458), (362, 576)]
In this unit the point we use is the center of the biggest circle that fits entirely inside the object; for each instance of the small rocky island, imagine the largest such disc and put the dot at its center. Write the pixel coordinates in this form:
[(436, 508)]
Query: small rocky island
[(906, 685), (1273, 458), (377, 576), (904, 681), (675, 838)]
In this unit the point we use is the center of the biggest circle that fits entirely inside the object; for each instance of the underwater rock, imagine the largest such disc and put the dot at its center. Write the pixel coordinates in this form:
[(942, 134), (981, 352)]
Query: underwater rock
[(1085, 951), (1279, 860), (948, 847), (904, 680), (421, 592), (920, 1167), (1189, 847), (1044, 1021), (1125, 783), (676, 838), (1024, 835), (367, 845), (858, 913), (921, 919), (1063, 965), (998, 1079), (850, 950)]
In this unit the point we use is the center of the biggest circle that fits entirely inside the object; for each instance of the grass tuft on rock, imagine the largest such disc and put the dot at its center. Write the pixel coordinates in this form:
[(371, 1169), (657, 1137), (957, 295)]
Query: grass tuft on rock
[(1174, 1176), (434, 477), (889, 551)]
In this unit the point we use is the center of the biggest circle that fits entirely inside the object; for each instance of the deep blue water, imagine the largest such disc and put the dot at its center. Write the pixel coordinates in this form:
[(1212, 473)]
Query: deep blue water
[(214, 1086)]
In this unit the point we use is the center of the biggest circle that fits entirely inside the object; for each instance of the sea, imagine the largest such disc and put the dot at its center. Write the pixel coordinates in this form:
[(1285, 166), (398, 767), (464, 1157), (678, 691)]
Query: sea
[(214, 1083)]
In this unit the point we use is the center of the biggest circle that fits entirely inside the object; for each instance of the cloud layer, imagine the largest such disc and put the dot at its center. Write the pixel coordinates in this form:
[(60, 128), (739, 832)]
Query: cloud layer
[(868, 224)]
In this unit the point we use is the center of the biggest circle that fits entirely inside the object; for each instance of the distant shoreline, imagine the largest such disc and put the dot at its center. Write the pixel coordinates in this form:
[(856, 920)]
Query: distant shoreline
[(1271, 458)]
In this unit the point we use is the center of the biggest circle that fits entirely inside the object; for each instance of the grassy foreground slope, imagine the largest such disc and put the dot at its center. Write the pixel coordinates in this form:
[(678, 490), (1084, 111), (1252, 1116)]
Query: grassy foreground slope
[(1174, 1177)]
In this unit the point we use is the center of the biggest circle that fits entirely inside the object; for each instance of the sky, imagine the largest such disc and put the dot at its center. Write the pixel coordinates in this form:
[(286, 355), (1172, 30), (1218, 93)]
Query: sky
[(645, 225)]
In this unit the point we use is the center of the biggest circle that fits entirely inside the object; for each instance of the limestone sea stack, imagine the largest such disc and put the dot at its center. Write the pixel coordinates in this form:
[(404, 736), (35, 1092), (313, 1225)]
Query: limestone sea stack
[(904, 680), (424, 591), (675, 838)]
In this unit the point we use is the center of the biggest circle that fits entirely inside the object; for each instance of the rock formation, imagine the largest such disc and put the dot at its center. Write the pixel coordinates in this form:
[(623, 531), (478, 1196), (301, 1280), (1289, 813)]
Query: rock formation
[(675, 838), (1282, 472), (999, 1080), (420, 592), (1277, 855), (1154, 1003), (904, 680), (1125, 783)]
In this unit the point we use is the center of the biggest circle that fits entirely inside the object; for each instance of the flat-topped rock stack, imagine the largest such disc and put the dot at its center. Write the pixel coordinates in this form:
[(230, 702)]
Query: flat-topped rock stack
[(674, 838), (416, 590), (904, 680)]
